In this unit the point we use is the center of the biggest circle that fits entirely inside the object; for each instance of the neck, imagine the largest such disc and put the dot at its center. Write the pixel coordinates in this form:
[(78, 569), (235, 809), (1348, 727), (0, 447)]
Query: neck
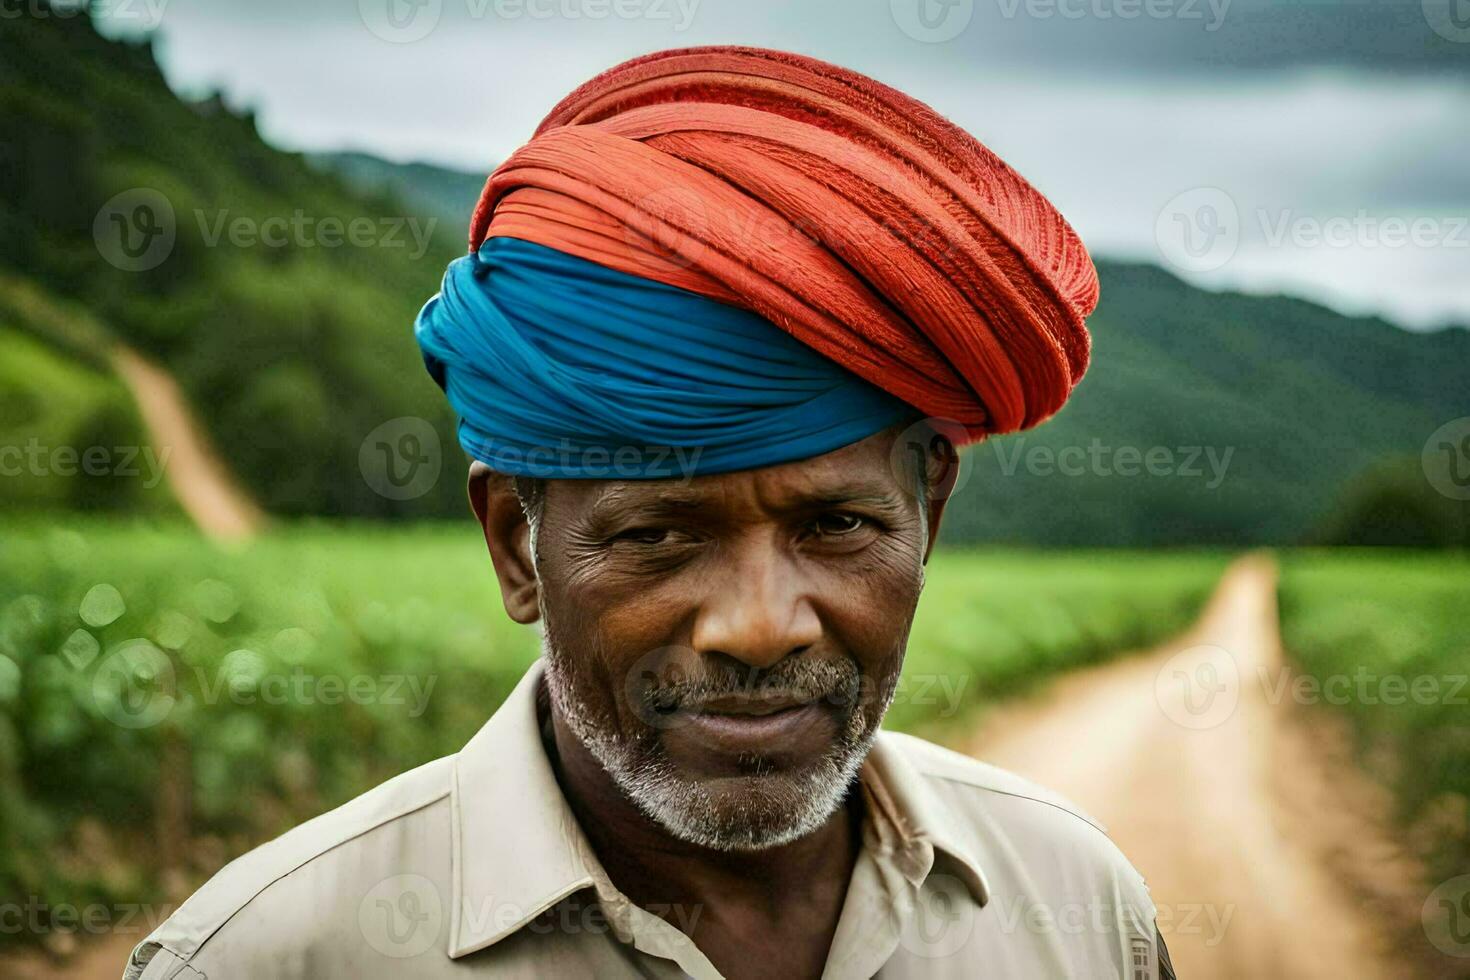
[(658, 871)]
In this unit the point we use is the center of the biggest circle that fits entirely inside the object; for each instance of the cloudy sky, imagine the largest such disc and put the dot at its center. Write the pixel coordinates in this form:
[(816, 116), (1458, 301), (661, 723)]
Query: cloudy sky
[(1316, 147)]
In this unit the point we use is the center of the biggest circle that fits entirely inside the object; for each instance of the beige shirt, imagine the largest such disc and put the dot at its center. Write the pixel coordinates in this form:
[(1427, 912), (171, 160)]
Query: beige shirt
[(474, 865)]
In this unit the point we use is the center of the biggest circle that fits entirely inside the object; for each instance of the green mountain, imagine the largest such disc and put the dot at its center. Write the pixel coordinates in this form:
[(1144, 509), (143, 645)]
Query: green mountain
[(1205, 417), (1261, 415), (279, 297), (449, 195)]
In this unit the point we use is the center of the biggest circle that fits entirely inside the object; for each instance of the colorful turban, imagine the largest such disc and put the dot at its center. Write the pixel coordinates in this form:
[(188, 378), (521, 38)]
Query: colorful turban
[(638, 270)]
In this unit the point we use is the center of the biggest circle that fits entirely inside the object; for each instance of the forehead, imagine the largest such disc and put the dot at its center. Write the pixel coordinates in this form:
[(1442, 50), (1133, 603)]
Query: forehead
[(860, 471)]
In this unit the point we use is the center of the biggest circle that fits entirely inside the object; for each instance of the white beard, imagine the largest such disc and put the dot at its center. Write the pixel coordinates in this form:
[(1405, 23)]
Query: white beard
[(773, 808)]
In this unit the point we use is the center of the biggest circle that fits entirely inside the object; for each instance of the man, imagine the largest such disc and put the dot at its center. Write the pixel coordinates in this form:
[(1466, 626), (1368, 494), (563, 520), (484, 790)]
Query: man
[(722, 323)]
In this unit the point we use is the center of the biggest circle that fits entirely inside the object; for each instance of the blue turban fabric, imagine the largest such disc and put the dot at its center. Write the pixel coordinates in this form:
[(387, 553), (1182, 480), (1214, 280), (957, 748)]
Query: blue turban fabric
[(560, 367)]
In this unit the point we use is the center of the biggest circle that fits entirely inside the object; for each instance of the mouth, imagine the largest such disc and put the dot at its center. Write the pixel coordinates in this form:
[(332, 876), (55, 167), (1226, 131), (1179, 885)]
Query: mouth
[(748, 705), (759, 724)]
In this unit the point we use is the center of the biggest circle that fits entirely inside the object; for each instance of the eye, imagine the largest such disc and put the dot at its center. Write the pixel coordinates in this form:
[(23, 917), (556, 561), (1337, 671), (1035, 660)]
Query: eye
[(643, 535), (837, 523)]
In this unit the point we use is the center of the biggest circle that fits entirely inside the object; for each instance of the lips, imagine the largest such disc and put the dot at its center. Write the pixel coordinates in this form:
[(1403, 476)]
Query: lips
[(748, 705), (738, 725)]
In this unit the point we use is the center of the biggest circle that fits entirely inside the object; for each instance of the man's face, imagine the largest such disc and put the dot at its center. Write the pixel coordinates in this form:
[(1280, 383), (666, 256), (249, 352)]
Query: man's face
[(726, 646)]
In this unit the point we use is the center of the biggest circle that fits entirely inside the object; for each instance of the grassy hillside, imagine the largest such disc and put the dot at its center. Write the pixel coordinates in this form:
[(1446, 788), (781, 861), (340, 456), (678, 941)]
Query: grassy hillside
[(291, 337), (1383, 635), (1263, 412)]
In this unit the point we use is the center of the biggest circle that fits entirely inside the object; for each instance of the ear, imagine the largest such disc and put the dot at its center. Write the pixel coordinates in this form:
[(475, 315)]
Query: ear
[(508, 536), (943, 462)]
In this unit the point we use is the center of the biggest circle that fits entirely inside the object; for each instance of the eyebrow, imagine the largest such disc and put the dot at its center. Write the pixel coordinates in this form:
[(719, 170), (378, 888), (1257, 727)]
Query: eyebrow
[(875, 496), (618, 496)]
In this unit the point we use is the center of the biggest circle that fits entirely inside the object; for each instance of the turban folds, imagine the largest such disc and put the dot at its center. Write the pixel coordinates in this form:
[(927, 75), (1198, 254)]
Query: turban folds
[(848, 215)]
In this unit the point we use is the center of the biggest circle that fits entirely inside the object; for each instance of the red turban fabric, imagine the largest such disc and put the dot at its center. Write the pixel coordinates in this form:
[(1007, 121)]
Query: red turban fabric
[(847, 213)]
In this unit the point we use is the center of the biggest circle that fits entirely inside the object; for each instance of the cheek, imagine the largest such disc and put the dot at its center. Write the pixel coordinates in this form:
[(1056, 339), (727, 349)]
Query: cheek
[(870, 602), (623, 623), (611, 635)]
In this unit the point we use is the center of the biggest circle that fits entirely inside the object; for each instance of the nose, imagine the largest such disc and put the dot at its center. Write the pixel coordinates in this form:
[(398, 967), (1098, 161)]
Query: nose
[(758, 610)]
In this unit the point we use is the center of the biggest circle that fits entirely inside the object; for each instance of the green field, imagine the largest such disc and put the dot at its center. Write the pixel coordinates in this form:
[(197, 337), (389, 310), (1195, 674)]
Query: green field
[(318, 660), (1387, 636)]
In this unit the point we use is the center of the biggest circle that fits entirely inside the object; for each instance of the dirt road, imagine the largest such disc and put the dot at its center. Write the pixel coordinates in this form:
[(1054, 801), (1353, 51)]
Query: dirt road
[(99, 958), (203, 486), (1260, 844)]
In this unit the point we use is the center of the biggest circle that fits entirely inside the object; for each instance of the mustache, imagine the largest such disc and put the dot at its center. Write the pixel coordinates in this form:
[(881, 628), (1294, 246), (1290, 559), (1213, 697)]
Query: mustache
[(836, 681)]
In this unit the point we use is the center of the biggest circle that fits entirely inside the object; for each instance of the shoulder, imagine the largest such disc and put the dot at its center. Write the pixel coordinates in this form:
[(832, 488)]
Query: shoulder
[(1061, 898), (1022, 835), (402, 823), (967, 777)]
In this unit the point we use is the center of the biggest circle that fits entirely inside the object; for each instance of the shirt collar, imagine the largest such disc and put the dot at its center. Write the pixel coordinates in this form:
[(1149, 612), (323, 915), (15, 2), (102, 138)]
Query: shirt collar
[(903, 803), (517, 848)]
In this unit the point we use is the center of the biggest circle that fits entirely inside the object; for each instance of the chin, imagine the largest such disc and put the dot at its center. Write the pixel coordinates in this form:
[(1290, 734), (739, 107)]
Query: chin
[(742, 813), (738, 813)]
